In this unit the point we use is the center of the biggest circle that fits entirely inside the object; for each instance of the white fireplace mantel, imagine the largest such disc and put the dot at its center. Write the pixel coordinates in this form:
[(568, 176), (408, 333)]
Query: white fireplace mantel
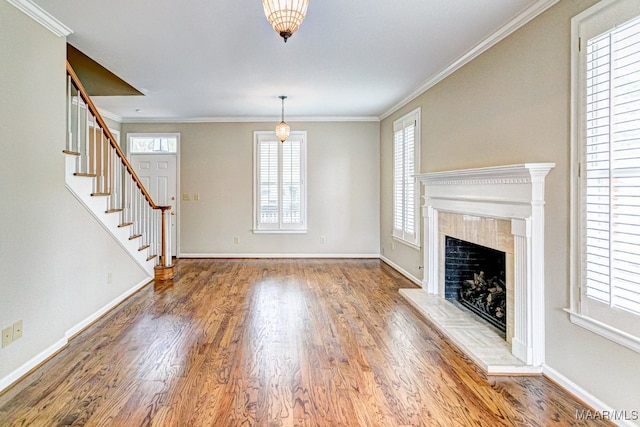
[(515, 193)]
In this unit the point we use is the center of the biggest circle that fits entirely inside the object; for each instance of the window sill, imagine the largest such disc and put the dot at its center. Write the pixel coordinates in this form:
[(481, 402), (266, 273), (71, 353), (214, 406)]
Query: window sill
[(620, 337), (404, 242), (256, 231)]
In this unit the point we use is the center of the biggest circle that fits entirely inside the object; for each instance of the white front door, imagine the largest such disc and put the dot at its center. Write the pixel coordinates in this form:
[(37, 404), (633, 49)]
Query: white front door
[(158, 174)]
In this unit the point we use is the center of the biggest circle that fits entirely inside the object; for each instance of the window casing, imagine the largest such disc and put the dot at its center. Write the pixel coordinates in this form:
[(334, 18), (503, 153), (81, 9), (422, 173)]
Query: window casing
[(280, 194), (606, 179), (406, 190)]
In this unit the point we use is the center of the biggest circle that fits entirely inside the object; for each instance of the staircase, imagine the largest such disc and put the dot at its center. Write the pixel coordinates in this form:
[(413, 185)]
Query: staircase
[(101, 178)]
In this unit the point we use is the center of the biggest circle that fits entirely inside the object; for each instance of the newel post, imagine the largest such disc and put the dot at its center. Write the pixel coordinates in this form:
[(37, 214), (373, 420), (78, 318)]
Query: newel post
[(164, 271)]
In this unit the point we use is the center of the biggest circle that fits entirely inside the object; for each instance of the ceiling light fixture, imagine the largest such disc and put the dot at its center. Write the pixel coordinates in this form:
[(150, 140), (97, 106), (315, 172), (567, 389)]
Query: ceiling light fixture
[(285, 16), (283, 129)]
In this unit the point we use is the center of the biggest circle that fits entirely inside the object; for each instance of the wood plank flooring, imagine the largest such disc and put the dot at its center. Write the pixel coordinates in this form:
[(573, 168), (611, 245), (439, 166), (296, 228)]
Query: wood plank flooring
[(274, 343)]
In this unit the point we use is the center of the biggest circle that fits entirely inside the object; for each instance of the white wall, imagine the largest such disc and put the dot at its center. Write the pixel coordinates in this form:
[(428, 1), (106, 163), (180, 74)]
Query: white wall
[(217, 162), (54, 256), (511, 105)]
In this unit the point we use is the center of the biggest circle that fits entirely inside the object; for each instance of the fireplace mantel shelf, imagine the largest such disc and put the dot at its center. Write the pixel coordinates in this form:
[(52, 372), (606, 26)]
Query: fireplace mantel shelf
[(511, 192), (510, 174)]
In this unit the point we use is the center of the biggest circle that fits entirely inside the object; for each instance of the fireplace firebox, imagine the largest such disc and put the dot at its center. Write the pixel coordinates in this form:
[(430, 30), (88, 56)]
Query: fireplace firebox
[(475, 278)]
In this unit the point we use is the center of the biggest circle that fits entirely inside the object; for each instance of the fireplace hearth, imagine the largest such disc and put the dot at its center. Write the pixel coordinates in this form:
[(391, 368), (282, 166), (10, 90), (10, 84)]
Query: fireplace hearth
[(475, 278)]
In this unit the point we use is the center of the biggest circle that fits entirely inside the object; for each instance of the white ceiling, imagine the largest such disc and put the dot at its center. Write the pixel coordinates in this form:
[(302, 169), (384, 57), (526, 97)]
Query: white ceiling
[(221, 60)]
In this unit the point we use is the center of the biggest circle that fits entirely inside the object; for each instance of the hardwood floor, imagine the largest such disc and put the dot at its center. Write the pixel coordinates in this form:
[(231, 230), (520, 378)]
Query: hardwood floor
[(274, 343)]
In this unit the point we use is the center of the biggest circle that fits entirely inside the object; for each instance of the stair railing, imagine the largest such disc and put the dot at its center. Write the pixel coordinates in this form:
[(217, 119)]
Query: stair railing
[(98, 155)]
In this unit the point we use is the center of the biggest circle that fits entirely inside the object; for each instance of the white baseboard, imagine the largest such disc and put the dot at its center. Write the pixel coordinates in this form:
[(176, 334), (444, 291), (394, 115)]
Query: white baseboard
[(598, 405), (270, 255), (401, 270), (37, 360), (23, 370), (104, 310)]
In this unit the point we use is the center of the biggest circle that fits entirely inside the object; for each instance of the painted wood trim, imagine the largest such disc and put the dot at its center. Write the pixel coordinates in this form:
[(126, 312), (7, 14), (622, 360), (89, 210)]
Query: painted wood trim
[(42, 17)]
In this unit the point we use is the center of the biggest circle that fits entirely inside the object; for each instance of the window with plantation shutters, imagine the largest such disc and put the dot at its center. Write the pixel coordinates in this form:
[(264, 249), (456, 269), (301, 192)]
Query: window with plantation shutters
[(280, 196), (608, 182), (405, 186)]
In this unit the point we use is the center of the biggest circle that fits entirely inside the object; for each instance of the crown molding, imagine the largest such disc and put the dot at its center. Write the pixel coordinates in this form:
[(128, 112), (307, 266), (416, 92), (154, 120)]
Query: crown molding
[(249, 119), (109, 115), (42, 17), (517, 22)]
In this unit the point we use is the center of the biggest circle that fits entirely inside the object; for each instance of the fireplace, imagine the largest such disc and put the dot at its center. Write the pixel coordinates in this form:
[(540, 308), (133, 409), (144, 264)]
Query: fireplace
[(501, 208), (474, 277)]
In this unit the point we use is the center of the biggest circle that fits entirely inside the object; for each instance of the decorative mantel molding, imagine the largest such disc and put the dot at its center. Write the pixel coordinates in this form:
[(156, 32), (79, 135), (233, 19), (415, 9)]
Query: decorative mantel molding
[(512, 192), (512, 174), (502, 191)]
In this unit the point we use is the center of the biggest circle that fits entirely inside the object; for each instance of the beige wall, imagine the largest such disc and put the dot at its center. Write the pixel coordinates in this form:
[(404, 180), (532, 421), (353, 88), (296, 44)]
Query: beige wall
[(216, 161), (511, 105), (54, 256)]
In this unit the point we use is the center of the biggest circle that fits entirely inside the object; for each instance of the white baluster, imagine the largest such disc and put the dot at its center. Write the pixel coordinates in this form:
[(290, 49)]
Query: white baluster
[(69, 102), (100, 178), (94, 157), (78, 144), (85, 133), (168, 243)]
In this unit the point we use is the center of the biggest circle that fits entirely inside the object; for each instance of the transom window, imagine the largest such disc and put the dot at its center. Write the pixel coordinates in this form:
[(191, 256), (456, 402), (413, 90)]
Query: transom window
[(145, 143), (280, 183)]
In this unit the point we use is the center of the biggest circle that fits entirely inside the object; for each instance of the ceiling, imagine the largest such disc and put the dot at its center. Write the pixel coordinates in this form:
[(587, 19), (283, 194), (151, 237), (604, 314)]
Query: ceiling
[(221, 60)]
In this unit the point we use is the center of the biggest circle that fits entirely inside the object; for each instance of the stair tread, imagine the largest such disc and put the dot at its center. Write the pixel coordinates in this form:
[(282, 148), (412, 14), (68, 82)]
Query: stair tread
[(125, 224), (100, 194), (142, 248), (135, 236), (72, 153), (113, 210), (149, 258), (90, 175)]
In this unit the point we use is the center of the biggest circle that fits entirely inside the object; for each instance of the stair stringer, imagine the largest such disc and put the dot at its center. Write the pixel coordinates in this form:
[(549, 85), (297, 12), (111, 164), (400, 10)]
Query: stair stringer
[(81, 187)]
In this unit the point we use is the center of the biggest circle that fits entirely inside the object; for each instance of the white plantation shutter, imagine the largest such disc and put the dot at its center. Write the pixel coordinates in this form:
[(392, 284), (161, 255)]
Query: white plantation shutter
[(410, 180), (291, 182), (609, 148), (268, 182), (280, 199), (405, 186), (398, 182)]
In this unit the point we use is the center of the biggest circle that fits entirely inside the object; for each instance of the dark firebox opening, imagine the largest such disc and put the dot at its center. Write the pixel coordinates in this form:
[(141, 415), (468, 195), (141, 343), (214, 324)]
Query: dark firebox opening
[(474, 276)]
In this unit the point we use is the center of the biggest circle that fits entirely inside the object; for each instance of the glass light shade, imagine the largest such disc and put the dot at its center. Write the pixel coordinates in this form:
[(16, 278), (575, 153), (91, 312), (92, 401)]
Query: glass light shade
[(282, 131), (285, 16)]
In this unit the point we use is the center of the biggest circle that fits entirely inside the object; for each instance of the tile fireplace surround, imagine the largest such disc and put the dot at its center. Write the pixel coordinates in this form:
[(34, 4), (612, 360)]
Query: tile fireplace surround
[(503, 208)]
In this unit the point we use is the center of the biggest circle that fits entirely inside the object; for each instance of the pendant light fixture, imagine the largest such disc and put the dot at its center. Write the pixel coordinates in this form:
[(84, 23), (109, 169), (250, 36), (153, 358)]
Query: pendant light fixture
[(283, 129), (285, 16)]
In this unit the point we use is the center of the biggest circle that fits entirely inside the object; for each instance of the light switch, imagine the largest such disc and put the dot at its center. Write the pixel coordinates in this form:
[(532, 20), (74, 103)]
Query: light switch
[(185, 196), (196, 196)]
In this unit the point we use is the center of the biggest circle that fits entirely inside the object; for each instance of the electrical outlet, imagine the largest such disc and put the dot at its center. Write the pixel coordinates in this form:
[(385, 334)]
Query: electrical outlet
[(7, 336), (322, 239), (109, 278), (393, 246), (17, 330), (236, 240)]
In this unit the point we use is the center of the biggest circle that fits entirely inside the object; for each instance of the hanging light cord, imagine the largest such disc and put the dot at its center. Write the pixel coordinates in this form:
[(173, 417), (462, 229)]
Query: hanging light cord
[(282, 98)]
